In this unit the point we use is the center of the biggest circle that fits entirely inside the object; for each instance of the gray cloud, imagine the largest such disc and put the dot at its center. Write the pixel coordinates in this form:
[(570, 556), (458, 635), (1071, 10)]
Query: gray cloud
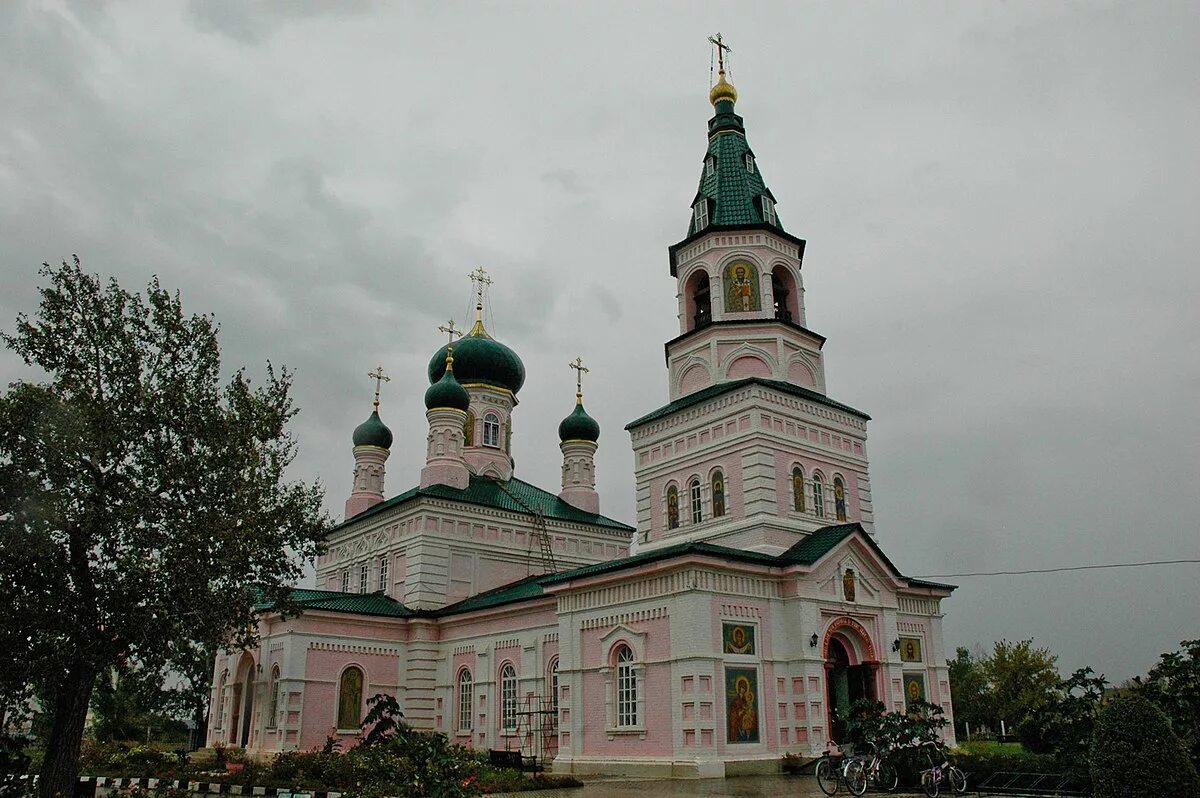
[(999, 200)]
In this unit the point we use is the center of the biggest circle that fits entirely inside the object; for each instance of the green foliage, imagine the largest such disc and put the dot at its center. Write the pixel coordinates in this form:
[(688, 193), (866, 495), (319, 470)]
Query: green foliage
[(969, 692), (1021, 679), (1174, 685), (384, 720), (870, 722), (1135, 754), (106, 758), (417, 764), (146, 503), (1064, 723), (126, 708), (980, 761)]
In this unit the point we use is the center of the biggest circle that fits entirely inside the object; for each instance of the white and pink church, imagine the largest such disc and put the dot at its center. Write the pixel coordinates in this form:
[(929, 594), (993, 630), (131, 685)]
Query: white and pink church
[(755, 606)]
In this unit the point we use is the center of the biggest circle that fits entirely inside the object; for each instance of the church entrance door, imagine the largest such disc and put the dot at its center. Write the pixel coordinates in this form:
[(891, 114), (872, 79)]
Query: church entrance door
[(247, 714), (845, 684), (235, 710)]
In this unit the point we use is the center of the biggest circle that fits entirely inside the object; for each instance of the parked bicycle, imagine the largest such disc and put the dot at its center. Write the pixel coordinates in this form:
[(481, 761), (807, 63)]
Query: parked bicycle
[(879, 770), (836, 769), (940, 774)]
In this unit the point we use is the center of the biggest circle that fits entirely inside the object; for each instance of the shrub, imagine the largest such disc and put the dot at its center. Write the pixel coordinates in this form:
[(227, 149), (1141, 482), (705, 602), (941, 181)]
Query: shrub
[(1135, 754)]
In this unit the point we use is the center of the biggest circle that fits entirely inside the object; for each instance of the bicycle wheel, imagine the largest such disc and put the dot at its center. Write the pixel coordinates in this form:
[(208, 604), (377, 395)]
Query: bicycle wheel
[(856, 777), (827, 776), (958, 780), (929, 783), (887, 777)]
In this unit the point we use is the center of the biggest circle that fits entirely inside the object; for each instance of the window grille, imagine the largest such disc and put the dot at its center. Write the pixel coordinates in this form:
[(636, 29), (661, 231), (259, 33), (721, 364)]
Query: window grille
[(701, 211), (383, 574), (626, 688), (491, 431), (465, 696), (697, 505), (818, 496), (508, 698), (364, 576)]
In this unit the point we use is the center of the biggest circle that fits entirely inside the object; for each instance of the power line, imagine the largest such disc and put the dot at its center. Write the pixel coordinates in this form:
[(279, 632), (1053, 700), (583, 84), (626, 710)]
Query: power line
[(1059, 570)]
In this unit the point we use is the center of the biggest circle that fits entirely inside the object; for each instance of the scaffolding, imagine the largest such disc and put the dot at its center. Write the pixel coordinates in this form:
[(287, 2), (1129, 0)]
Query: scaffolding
[(537, 731)]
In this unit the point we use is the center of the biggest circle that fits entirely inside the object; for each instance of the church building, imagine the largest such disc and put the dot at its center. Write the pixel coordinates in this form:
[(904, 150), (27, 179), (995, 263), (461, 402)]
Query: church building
[(755, 606)]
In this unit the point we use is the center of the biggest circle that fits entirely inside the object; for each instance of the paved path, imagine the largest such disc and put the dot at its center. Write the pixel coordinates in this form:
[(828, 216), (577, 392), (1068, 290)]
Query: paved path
[(740, 787)]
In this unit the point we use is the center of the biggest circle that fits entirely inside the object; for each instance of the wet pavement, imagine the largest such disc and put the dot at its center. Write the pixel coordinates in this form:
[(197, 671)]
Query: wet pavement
[(739, 787)]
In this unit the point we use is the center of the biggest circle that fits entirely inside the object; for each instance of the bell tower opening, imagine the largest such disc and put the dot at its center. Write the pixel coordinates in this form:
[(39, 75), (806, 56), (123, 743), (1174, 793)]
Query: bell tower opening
[(783, 288), (699, 301)]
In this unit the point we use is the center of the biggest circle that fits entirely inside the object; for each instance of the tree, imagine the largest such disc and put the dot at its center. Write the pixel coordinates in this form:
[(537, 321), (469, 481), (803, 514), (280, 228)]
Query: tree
[(1134, 753), (1174, 685), (143, 504), (1021, 679), (1064, 723), (969, 691)]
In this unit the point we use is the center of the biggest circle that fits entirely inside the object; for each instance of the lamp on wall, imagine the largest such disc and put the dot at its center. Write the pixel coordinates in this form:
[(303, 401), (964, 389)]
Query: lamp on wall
[(812, 641), (896, 644)]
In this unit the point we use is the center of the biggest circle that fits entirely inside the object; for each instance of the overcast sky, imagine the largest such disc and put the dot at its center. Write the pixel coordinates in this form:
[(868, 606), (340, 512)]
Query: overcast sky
[(1000, 202)]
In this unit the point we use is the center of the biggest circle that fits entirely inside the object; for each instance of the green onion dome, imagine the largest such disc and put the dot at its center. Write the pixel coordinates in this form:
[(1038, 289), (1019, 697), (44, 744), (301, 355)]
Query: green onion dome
[(373, 432), (579, 426), (447, 393), (479, 358)]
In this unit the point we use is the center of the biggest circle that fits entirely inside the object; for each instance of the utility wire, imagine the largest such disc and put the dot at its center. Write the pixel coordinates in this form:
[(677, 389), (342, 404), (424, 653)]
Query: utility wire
[(1059, 570)]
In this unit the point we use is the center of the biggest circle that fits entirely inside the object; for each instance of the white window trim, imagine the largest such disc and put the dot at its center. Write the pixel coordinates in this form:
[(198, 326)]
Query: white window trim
[(768, 210), (505, 728), (383, 573), (491, 424), (700, 212), (696, 501), (637, 644), (710, 166), (364, 577), (818, 496), (273, 707), (750, 163), (465, 696), (346, 580)]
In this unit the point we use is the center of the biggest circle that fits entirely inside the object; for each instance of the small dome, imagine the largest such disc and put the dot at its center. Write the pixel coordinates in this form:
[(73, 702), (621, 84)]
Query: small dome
[(480, 358), (724, 90), (373, 432), (579, 426), (447, 393)]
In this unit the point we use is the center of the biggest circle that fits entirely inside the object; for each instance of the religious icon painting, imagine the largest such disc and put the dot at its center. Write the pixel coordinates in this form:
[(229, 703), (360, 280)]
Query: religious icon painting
[(914, 688), (741, 288), (737, 638), (741, 705), (910, 649)]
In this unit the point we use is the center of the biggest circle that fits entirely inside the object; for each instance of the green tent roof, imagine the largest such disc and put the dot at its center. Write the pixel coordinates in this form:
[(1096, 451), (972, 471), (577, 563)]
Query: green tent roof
[(704, 394), (513, 495), (353, 603)]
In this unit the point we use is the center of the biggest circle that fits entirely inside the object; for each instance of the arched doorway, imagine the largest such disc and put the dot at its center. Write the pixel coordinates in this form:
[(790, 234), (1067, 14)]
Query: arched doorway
[(699, 301), (241, 705), (783, 288), (851, 666)]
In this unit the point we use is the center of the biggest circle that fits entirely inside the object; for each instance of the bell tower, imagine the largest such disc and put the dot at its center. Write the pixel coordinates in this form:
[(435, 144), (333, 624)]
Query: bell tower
[(750, 452)]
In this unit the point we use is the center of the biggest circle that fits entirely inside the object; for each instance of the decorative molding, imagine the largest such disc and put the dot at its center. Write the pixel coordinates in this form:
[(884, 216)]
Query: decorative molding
[(740, 611), (710, 580), (637, 616), (348, 648)]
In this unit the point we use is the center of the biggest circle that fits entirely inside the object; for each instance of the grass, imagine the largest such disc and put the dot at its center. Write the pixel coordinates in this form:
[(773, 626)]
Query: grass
[(990, 747)]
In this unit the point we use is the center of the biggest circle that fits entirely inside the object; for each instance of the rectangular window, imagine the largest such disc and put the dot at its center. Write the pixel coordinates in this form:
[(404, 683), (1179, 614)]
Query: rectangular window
[(626, 690), (749, 163), (346, 581), (697, 506), (710, 166), (465, 689), (383, 574), (364, 576), (818, 498), (491, 431), (701, 211), (768, 210), (508, 699)]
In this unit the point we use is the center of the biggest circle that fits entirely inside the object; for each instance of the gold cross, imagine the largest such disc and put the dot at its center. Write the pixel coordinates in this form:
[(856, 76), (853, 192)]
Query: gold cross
[(577, 364), (379, 378), (448, 328), (722, 48)]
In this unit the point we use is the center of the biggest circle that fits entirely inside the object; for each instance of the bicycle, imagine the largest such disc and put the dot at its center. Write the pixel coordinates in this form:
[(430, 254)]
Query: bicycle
[(880, 772), (849, 771), (940, 771)]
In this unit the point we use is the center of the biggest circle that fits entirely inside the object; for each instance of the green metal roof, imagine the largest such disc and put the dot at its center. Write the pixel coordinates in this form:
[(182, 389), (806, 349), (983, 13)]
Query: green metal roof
[(734, 191), (513, 495), (353, 603), (704, 394)]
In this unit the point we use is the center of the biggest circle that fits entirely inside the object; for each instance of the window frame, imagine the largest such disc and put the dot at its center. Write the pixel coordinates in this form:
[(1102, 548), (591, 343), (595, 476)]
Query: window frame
[(710, 166), (383, 573), (491, 430), (696, 500), (749, 161), (273, 706), (700, 214), (364, 577), (625, 683), (346, 580), (818, 494), (465, 695), (508, 698), (768, 210), (552, 673)]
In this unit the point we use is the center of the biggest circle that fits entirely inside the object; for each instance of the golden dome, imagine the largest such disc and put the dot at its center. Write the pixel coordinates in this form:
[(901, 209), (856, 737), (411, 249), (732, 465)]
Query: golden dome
[(724, 90)]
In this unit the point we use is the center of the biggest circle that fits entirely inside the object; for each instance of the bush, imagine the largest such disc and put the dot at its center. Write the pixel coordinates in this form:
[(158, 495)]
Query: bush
[(1135, 754)]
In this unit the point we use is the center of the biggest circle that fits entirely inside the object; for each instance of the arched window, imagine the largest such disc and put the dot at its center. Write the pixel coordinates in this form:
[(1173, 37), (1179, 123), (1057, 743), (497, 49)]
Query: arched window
[(818, 496), (798, 489), (553, 681), (383, 573), (364, 576), (273, 711), (718, 494), (697, 504), (491, 430), (626, 688), (839, 498), (465, 697), (346, 581), (350, 691), (469, 430), (672, 507), (222, 692), (783, 290), (508, 698), (699, 300)]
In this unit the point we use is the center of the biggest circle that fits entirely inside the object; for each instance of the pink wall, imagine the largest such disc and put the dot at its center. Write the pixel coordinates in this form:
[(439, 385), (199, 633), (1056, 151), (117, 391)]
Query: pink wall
[(784, 461), (323, 668)]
